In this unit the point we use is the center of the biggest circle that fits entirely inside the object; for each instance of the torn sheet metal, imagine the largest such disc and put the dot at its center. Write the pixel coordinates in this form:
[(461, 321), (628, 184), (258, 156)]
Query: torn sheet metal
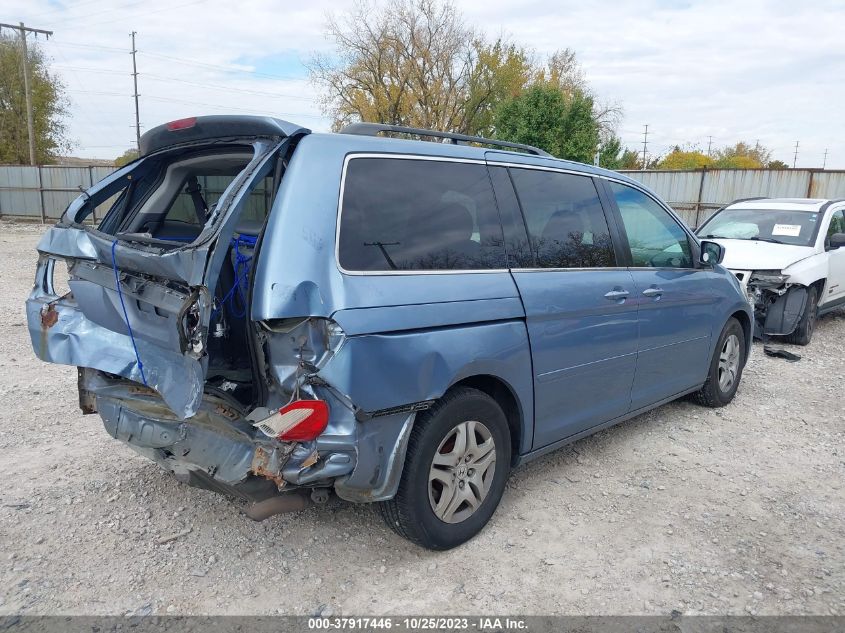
[(73, 339)]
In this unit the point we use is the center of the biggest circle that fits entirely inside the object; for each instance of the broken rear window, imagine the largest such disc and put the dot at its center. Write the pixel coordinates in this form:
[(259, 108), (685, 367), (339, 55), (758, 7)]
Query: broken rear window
[(172, 196)]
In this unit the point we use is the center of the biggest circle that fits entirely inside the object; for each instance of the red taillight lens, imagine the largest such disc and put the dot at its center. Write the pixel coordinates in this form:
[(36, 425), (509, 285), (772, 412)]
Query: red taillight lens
[(302, 420), (182, 124)]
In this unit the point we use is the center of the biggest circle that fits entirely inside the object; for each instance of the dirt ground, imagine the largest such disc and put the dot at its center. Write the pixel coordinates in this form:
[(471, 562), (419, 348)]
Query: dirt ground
[(731, 511)]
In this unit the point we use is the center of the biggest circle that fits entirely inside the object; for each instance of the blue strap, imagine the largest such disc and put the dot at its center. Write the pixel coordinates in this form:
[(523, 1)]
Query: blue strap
[(125, 314), (240, 287)]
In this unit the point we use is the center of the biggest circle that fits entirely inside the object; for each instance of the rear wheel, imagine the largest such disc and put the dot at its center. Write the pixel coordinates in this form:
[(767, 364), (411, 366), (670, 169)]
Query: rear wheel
[(725, 367), (455, 471), (807, 323)]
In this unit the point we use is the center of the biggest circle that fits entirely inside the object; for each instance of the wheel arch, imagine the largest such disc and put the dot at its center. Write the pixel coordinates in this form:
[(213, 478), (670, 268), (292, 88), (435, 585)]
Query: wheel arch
[(505, 397), (747, 329)]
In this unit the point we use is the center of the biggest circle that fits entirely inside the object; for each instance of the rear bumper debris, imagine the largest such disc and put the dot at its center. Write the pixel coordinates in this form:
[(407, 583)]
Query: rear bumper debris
[(219, 449)]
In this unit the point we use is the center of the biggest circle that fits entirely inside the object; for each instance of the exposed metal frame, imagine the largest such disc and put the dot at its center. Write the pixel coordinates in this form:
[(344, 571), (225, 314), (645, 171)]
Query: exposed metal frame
[(374, 129)]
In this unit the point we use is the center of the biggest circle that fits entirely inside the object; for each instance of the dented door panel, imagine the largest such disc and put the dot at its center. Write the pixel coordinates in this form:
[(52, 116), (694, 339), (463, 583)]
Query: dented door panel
[(383, 371)]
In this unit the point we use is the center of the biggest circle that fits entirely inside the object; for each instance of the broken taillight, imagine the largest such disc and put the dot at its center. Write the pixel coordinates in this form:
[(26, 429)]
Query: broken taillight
[(299, 421), (182, 124)]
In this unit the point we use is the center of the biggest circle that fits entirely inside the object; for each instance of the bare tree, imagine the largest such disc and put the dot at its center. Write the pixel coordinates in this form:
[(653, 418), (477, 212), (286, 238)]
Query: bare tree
[(415, 63)]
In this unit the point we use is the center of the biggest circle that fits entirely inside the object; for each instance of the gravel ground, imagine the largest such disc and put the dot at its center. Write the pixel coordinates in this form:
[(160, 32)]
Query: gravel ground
[(731, 511)]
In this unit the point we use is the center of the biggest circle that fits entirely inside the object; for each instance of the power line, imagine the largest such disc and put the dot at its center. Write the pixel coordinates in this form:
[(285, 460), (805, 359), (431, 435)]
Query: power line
[(111, 9), (106, 71), (229, 89), (145, 13), (91, 46), (183, 60), (233, 108), (193, 62), (61, 9)]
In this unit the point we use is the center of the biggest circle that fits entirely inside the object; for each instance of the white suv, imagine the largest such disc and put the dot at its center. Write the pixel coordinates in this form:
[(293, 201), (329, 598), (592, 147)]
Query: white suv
[(789, 256)]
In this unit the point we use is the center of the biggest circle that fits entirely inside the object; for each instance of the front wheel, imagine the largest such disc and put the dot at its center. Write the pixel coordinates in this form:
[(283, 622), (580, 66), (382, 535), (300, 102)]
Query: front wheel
[(456, 467), (726, 367)]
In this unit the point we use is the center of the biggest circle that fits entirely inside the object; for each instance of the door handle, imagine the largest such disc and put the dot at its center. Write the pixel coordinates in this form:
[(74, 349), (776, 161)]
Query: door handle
[(616, 295), (653, 292)]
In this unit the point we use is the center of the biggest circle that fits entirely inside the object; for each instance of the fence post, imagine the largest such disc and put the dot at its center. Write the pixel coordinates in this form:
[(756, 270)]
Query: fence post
[(41, 196), (810, 185), (698, 202)]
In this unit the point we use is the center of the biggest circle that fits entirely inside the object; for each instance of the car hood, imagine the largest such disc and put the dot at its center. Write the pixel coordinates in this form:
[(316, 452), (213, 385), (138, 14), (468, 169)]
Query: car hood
[(751, 255)]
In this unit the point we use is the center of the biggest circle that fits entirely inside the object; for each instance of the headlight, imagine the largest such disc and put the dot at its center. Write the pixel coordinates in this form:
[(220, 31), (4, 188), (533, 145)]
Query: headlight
[(768, 277)]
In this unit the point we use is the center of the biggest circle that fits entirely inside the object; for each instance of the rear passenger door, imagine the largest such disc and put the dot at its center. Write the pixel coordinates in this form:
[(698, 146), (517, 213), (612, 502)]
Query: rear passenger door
[(675, 298), (579, 301)]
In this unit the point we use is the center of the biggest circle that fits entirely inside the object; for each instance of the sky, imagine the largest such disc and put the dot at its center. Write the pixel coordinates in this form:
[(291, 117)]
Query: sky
[(731, 70)]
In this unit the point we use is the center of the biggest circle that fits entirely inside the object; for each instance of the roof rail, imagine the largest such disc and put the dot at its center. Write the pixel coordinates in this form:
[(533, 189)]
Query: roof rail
[(374, 129)]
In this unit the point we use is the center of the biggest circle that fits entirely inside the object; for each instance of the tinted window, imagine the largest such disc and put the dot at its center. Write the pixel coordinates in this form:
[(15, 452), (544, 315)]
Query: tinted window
[(654, 237), (565, 220), (400, 214)]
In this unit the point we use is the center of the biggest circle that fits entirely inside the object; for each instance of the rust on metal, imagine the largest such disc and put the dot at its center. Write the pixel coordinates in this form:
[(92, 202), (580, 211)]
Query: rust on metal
[(225, 411), (49, 316), (140, 390), (261, 467)]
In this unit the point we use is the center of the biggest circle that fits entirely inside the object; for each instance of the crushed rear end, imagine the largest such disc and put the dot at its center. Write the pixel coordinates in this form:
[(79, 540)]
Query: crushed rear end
[(157, 319)]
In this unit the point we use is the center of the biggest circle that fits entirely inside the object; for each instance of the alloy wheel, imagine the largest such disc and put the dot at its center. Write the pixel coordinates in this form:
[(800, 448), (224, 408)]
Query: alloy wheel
[(729, 363)]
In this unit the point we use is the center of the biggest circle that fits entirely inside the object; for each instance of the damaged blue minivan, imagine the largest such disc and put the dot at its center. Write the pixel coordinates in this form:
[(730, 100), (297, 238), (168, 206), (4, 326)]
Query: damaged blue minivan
[(275, 314)]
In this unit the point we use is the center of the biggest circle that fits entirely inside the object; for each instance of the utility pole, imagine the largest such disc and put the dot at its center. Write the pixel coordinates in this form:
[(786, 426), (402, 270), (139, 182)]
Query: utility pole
[(27, 87), (135, 80), (709, 144), (645, 145), (824, 162), (795, 157)]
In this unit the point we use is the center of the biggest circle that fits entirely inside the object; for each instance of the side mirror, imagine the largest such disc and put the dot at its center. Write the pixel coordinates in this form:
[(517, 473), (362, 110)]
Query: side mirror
[(837, 240), (711, 253)]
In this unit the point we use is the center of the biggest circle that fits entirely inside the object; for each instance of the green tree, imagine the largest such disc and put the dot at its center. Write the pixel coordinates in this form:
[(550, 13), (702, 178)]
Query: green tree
[(777, 164), (681, 159), (630, 159), (610, 152), (126, 157), (545, 117), (49, 106), (742, 156), (416, 63)]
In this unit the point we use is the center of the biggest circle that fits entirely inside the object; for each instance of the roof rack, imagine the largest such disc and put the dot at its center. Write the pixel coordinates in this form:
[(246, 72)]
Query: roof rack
[(374, 129)]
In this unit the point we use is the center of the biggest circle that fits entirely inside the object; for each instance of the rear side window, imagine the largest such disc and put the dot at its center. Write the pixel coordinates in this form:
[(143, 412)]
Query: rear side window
[(406, 214), (565, 220)]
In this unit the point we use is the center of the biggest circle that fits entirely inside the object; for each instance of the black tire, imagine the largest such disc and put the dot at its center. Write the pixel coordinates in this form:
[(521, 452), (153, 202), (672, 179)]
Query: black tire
[(410, 513), (807, 323), (713, 394)]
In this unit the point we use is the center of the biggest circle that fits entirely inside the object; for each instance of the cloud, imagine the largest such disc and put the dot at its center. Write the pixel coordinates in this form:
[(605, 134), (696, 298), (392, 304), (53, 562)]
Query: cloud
[(734, 70)]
